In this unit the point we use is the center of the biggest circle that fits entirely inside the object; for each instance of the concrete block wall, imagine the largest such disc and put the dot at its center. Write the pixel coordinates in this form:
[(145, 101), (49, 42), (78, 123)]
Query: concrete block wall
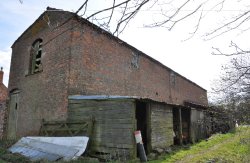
[(161, 126)]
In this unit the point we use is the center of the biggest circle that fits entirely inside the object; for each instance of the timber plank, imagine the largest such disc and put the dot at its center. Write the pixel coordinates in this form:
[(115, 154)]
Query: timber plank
[(103, 119), (112, 145), (114, 122), (103, 104)]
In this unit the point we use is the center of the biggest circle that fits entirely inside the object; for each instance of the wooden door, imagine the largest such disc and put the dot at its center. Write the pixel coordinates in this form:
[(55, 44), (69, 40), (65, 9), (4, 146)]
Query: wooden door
[(13, 115)]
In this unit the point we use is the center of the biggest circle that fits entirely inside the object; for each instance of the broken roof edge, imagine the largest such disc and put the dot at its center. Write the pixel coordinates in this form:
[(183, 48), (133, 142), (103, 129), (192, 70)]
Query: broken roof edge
[(48, 9), (112, 36), (195, 105), (116, 97)]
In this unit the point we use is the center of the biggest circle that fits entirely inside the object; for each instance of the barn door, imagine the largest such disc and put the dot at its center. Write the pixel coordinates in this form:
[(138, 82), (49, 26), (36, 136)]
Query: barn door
[(13, 115)]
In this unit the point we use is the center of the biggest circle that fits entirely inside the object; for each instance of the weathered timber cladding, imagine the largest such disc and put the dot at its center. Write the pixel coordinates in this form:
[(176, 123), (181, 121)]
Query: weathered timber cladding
[(114, 123), (198, 126), (161, 125), (67, 128)]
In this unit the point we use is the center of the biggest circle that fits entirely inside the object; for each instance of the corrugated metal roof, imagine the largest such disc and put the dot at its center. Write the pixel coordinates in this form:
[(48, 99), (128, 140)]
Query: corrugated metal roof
[(50, 148), (99, 97), (109, 97)]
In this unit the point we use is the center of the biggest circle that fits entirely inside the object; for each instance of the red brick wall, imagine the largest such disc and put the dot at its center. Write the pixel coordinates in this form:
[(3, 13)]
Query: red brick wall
[(3, 98), (84, 61), (42, 95), (1, 75), (102, 65), (3, 110), (3, 92)]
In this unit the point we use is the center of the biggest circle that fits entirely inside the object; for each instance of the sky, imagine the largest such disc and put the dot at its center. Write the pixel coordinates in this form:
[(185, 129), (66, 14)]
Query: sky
[(191, 58)]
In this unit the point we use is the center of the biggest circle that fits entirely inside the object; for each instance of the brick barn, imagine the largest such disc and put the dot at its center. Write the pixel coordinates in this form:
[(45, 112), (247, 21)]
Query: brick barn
[(63, 67)]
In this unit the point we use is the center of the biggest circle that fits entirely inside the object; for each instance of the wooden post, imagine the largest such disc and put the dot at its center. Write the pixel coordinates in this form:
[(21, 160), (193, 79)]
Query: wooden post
[(149, 143), (192, 126), (140, 147), (180, 127), (134, 151)]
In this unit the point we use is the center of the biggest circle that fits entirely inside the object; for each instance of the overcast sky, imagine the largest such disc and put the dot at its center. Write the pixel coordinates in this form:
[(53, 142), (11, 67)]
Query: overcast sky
[(191, 58)]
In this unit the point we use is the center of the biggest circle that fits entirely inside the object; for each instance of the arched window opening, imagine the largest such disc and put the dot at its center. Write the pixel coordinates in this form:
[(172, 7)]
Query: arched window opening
[(36, 55)]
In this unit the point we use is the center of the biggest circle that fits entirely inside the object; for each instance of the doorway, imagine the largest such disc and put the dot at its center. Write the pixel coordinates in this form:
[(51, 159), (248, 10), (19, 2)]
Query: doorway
[(142, 122), (181, 125), (176, 126), (185, 114), (13, 115)]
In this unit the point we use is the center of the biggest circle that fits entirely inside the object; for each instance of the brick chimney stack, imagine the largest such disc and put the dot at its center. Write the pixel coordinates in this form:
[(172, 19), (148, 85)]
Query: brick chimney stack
[(1, 75)]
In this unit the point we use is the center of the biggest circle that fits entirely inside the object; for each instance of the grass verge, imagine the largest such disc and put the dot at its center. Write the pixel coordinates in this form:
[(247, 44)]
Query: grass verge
[(230, 147)]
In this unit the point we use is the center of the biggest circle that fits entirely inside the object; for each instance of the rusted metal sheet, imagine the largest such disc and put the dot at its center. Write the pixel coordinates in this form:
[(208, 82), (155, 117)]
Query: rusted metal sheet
[(50, 148)]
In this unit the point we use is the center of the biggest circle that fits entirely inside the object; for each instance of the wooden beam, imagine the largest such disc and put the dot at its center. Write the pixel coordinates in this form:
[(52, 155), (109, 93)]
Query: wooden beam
[(180, 126)]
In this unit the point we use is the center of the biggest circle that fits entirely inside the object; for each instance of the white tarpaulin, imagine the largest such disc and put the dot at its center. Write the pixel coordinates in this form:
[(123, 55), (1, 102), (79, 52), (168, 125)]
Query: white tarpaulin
[(51, 148)]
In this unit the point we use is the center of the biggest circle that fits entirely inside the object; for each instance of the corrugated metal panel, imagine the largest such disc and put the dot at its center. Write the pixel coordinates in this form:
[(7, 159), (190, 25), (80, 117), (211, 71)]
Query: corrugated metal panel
[(34, 154), (50, 148)]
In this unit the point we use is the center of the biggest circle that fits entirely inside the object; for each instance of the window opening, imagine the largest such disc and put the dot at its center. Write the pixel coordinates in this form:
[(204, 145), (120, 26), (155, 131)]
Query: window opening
[(135, 60), (172, 78), (36, 55)]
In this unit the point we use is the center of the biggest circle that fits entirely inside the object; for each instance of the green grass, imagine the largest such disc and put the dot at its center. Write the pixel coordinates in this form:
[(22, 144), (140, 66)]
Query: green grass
[(223, 148), (6, 156), (230, 147)]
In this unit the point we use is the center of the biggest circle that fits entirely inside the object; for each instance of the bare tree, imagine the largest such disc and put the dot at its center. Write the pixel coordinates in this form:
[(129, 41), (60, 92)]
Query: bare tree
[(235, 80), (117, 14), (169, 13), (233, 86)]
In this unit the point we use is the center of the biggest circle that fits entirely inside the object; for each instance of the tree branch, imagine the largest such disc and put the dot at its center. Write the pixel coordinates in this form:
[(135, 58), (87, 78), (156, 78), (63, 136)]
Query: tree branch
[(237, 51), (227, 26)]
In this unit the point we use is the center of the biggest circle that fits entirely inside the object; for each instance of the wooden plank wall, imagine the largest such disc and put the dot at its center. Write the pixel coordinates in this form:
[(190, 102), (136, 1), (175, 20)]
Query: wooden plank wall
[(114, 124), (197, 128), (161, 126), (67, 128)]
